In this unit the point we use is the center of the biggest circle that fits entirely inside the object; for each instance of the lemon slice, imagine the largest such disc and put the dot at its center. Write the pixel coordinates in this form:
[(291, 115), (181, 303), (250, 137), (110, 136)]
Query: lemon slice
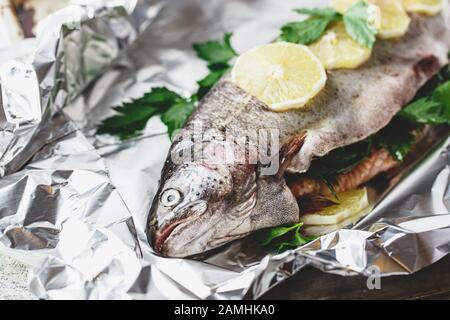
[(351, 203), (429, 7), (394, 19), (326, 229), (282, 75), (343, 5), (337, 50)]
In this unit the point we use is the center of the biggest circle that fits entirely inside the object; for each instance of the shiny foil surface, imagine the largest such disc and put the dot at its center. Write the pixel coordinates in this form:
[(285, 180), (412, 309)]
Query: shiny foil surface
[(73, 204)]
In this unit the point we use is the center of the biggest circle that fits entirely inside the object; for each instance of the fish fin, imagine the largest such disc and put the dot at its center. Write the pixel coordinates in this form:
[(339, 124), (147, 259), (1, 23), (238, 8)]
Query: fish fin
[(427, 67), (289, 151)]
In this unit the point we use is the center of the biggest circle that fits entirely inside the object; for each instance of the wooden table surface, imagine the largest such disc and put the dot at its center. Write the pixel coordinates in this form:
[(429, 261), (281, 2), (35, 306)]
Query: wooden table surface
[(430, 283)]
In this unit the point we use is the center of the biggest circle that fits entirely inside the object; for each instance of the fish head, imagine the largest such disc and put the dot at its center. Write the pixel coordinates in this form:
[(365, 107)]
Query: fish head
[(198, 207), (201, 207), (206, 203)]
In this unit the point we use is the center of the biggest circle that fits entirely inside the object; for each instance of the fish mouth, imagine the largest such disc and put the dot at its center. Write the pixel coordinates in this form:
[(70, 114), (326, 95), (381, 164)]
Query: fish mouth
[(160, 236)]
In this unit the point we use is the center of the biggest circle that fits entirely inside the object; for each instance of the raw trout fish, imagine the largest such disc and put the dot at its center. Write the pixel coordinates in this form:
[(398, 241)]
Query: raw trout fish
[(208, 202)]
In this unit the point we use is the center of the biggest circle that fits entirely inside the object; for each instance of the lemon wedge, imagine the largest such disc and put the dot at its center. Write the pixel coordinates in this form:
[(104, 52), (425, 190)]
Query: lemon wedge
[(282, 75), (337, 50), (428, 7), (394, 19), (351, 204)]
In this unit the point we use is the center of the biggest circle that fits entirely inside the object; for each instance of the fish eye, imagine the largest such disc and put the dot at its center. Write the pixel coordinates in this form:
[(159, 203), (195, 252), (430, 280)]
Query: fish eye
[(170, 197)]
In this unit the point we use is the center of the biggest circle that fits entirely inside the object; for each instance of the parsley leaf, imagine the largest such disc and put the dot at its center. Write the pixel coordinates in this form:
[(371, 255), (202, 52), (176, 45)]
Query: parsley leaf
[(176, 116), (279, 232), (356, 21), (424, 111), (442, 96), (174, 109), (216, 52), (305, 32), (357, 25), (433, 109), (206, 84), (432, 103), (285, 238), (320, 12), (340, 161), (218, 55), (428, 89), (133, 116), (129, 123), (397, 138)]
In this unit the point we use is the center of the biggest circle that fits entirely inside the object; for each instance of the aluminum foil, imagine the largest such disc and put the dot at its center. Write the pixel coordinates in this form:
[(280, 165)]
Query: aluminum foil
[(73, 204)]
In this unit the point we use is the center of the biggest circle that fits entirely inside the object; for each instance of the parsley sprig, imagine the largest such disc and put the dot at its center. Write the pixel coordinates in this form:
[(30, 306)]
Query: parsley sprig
[(174, 110), (286, 238), (218, 55), (431, 106), (433, 109), (397, 138), (356, 21), (132, 116)]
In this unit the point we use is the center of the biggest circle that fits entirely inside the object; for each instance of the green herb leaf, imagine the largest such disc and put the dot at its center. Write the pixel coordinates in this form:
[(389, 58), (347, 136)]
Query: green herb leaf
[(397, 138), (428, 89), (174, 109), (399, 145), (296, 241), (279, 232), (218, 56), (133, 116), (424, 111), (320, 12), (206, 84), (442, 96), (340, 161), (305, 32), (284, 238), (176, 116), (432, 102), (357, 25), (160, 97), (216, 52), (128, 129), (356, 21)]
